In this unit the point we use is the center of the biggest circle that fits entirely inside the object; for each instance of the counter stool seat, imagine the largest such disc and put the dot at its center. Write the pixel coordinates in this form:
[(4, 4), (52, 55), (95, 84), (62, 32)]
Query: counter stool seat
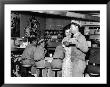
[(56, 70), (25, 70), (26, 65), (40, 69)]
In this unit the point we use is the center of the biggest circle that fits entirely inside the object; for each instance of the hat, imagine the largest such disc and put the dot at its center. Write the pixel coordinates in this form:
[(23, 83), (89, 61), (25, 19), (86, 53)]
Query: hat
[(42, 40)]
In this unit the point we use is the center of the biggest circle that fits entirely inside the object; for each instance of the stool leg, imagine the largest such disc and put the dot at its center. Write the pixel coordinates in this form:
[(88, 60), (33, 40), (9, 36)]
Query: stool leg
[(44, 72), (24, 72), (27, 72), (40, 74), (55, 73)]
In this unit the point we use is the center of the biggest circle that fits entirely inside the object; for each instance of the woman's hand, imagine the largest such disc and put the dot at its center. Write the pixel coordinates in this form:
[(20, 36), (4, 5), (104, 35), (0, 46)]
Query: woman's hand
[(66, 43)]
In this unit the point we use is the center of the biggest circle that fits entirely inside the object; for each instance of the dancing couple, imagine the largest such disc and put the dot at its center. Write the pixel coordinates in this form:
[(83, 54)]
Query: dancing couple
[(72, 51)]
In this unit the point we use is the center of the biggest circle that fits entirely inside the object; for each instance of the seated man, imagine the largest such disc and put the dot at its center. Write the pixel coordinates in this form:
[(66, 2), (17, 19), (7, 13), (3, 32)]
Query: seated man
[(28, 54), (58, 54), (39, 57)]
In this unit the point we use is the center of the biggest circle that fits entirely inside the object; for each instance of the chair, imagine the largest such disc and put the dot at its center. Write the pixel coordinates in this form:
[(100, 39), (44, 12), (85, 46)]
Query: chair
[(93, 67)]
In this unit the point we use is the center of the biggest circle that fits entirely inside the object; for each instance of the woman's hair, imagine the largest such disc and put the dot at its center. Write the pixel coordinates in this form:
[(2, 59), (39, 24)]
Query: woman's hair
[(66, 28)]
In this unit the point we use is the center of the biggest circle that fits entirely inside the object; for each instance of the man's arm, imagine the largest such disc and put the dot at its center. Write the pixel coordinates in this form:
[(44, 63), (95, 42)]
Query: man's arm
[(59, 52), (82, 43), (24, 54)]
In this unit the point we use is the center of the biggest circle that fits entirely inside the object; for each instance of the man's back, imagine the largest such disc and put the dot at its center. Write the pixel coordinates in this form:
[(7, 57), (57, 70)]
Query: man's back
[(59, 52), (39, 53), (29, 52)]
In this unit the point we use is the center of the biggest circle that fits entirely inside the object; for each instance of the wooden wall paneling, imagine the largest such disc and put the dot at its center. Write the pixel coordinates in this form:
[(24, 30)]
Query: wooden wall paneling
[(15, 25)]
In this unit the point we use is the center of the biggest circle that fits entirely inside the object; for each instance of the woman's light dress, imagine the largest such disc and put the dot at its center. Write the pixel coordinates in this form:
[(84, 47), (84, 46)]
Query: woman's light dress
[(67, 64)]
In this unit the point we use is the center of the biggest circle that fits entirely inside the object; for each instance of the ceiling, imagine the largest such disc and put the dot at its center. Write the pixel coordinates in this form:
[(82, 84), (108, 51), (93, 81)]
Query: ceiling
[(92, 13), (87, 15)]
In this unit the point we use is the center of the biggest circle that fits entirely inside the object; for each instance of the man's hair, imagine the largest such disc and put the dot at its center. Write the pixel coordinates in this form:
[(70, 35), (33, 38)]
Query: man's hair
[(80, 28), (72, 23)]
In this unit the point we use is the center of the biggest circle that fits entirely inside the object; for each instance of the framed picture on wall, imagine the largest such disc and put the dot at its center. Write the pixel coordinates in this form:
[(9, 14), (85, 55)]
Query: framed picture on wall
[(69, 10)]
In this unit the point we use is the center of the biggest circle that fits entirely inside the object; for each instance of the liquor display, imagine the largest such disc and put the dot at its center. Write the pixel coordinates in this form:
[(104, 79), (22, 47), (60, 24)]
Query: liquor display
[(53, 37), (93, 33)]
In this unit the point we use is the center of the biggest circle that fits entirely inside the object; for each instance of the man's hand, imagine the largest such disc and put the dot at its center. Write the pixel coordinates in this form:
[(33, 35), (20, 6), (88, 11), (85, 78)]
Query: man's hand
[(73, 40)]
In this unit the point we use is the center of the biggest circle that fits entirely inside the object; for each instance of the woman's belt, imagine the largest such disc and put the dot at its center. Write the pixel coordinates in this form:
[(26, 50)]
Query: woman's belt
[(58, 58), (38, 60), (26, 58)]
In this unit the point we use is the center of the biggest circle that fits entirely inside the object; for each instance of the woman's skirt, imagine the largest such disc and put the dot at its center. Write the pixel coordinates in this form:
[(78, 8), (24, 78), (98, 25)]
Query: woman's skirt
[(67, 68)]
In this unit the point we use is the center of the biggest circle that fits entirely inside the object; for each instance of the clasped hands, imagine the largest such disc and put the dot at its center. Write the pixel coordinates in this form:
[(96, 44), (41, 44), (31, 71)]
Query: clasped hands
[(70, 41)]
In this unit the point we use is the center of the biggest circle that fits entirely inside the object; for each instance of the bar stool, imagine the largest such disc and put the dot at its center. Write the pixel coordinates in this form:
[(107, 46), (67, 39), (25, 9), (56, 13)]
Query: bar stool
[(40, 65), (25, 70), (56, 70), (56, 65), (40, 71), (26, 67)]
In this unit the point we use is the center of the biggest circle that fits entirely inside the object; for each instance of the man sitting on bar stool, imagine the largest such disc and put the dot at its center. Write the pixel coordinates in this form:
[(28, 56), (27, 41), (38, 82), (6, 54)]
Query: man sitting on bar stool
[(28, 57), (39, 58), (56, 64)]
